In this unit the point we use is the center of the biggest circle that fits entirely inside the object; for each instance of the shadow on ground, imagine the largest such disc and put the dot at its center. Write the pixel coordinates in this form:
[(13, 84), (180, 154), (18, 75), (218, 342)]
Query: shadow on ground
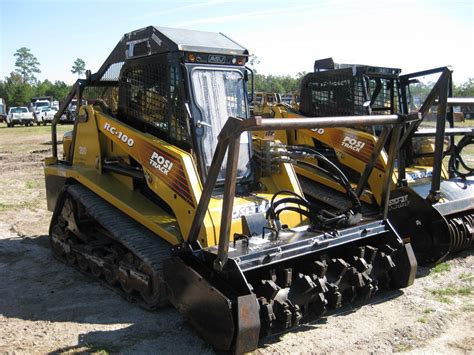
[(37, 287)]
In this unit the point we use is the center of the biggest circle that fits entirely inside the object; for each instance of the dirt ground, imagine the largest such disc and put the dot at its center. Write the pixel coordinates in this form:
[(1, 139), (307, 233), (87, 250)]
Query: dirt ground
[(45, 306)]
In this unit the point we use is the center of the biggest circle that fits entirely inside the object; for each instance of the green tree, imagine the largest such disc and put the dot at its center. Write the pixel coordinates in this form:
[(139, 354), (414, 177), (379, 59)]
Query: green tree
[(59, 90), (43, 88), (78, 67), (15, 91), (27, 65), (299, 77), (282, 84), (253, 61), (465, 90)]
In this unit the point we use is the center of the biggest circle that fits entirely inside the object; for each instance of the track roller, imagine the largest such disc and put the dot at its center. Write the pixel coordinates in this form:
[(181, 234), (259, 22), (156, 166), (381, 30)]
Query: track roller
[(101, 241)]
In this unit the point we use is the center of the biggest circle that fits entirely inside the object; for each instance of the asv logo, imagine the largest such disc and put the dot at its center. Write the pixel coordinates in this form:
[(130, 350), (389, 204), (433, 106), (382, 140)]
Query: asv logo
[(352, 143), (160, 163), (219, 59)]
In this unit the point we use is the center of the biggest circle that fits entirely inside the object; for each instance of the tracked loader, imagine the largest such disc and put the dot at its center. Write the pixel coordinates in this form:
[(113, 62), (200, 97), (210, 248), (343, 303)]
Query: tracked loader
[(161, 193), (431, 205), (262, 103)]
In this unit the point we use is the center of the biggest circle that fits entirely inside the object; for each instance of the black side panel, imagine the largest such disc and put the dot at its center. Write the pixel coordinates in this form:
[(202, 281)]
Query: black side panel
[(207, 309), (54, 185), (248, 320), (226, 319), (407, 266), (419, 223)]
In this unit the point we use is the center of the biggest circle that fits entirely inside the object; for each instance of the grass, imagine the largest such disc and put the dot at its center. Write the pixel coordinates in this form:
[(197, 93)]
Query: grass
[(443, 267), (424, 317), (30, 184), (443, 299), (402, 347), (33, 129), (453, 291), (445, 295), (33, 204), (423, 320), (466, 276), (100, 352)]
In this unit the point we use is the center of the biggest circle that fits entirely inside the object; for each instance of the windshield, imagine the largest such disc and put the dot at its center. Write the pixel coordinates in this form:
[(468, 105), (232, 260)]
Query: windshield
[(220, 94), (19, 110), (41, 104)]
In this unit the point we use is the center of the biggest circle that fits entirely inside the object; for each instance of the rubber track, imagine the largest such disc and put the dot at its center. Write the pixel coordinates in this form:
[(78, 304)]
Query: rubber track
[(147, 246)]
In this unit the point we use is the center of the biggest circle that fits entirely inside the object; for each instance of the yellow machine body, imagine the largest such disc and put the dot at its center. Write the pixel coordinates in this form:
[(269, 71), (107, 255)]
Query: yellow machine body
[(353, 148), (162, 194), (263, 103), (170, 173)]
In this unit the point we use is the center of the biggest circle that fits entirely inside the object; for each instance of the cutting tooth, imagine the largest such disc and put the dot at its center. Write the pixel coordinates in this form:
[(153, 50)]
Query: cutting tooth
[(370, 254), (283, 277), (337, 275), (305, 292), (333, 296), (267, 289), (318, 307), (283, 313), (266, 315), (320, 268), (383, 266), (360, 264), (350, 281)]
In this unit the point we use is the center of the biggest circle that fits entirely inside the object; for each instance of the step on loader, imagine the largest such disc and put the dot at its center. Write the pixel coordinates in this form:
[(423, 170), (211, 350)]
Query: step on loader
[(431, 205), (160, 194)]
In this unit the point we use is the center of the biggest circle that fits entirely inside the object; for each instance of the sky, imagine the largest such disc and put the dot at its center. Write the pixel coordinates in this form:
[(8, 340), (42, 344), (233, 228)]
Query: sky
[(286, 36)]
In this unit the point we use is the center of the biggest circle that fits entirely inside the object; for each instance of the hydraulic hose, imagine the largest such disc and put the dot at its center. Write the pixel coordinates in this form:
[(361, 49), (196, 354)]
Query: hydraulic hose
[(337, 175), (457, 160)]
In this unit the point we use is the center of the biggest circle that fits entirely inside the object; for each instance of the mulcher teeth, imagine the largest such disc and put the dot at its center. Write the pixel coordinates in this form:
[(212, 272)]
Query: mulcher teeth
[(267, 289), (283, 313), (383, 266), (461, 228), (293, 294)]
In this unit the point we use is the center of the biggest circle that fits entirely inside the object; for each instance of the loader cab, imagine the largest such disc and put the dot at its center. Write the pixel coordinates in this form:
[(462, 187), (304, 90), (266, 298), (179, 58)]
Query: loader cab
[(181, 86), (217, 92), (349, 89)]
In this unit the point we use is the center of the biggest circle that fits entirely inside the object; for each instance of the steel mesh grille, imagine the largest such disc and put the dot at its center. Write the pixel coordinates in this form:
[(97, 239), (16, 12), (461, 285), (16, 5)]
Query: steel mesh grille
[(150, 97), (338, 96), (383, 104), (106, 95), (347, 95)]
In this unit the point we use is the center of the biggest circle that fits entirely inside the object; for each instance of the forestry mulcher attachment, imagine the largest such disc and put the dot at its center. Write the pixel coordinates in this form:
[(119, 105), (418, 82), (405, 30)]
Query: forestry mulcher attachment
[(431, 205), (159, 194)]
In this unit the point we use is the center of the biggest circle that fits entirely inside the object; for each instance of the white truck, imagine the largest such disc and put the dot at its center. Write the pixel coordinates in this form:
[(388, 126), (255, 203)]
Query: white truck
[(19, 115), (45, 115), (38, 105)]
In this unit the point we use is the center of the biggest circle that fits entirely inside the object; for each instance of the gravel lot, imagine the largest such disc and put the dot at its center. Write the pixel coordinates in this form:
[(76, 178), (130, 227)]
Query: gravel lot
[(46, 306)]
